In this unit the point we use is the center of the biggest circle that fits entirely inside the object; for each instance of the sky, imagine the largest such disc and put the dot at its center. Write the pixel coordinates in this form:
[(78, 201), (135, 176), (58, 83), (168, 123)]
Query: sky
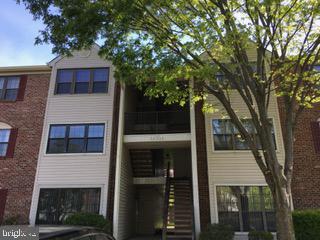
[(18, 31)]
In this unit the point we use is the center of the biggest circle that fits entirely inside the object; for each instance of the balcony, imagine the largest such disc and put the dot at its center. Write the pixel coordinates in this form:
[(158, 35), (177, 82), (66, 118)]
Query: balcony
[(160, 122)]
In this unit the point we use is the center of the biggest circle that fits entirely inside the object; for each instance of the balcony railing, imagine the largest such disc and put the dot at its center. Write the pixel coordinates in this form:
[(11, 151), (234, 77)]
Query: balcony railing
[(157, 122)]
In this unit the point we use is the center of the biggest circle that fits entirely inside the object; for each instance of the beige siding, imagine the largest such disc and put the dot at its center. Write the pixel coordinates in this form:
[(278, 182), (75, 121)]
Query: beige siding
[(235, 167), (76, 169), (126, 217)]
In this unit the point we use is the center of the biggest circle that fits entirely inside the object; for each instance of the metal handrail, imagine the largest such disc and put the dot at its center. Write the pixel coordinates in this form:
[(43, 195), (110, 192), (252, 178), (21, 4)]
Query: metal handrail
[(157, 122), (166, 204)]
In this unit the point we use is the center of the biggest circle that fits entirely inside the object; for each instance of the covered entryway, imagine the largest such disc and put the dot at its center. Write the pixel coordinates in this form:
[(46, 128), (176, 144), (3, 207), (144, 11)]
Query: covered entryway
[(151, 199), (156, 195)]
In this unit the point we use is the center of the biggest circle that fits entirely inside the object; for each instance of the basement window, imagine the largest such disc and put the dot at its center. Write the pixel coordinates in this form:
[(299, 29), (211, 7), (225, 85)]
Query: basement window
[(246, 208)]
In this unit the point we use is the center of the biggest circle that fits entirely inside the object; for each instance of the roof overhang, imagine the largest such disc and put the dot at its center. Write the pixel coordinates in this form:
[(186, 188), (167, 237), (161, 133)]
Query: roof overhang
[(36, 69)]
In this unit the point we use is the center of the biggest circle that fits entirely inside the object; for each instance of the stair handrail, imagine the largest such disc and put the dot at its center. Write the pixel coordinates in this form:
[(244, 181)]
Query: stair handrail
[(166, 204)]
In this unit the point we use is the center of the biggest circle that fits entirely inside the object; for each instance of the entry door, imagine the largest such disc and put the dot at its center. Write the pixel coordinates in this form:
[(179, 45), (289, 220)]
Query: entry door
[(3, 199)]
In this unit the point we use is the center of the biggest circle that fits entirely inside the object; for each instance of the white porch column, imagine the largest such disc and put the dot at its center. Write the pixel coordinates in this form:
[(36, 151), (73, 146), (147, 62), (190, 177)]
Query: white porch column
[(194, 169), (118, 164)]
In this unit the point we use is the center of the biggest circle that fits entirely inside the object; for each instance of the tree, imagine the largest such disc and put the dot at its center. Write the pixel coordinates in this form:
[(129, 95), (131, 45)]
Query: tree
[(162, 41)]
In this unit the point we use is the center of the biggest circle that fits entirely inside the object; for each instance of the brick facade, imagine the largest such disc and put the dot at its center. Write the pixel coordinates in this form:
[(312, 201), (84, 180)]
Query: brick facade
[(17, 174), (204, 201), (306, 170), (306, 180)]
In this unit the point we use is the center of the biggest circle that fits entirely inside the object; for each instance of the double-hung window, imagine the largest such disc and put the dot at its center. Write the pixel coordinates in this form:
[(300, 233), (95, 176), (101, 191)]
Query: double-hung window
[(4, 141), (77, 81), (76, 138), (9, 87), (227, 137), (246, 208)]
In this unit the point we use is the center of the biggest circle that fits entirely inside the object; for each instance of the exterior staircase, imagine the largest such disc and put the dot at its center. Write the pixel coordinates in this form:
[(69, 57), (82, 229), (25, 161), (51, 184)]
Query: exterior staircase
[(179, 224), (142, 163)]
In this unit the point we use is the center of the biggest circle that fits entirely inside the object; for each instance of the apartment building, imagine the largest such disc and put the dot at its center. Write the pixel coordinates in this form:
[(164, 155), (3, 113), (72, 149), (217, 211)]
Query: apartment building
[(23, 95), (74, 157), (150, 168)]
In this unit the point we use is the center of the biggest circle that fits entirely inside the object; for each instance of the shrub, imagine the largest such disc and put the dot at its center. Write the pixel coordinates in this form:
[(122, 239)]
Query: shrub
[(307, 224), (218, 231), (13, 220), (260, 235), (89, 219)]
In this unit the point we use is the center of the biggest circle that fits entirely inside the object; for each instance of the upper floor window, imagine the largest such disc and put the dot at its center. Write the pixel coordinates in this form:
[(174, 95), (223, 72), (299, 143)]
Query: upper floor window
[(9, 87), (76, 138), (227, 137), (4, 141), (77, 81), (8, 137)]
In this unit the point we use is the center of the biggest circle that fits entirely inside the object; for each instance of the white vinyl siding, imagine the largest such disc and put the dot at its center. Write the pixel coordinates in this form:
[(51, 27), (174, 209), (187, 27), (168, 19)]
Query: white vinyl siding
[(236, 166), (76, 168), (126, 216)]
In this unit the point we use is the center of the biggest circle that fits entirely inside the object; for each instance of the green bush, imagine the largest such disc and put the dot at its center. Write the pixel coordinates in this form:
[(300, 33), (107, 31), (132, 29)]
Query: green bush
[(13, 220), (89, 219), (307, 224), (218, 232), (260, 235)]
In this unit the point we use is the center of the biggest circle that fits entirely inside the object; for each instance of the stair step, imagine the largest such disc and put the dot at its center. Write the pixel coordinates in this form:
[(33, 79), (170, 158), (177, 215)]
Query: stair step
[(180, 215), (179, 237), (183, 226), (181, 184), (143, 170), (141, 160), (181, 190), (182, 198), (179, 231), (183, 203), (143, 167), (142, 157), (181, 193), (143, 175), (183, 210)]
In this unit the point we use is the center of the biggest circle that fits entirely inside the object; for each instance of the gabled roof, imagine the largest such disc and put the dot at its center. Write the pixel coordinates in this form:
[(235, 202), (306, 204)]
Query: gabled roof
[(58, 58)]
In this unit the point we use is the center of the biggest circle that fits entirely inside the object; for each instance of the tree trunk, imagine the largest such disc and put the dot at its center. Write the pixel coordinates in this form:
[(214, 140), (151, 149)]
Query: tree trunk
[(285, 230)]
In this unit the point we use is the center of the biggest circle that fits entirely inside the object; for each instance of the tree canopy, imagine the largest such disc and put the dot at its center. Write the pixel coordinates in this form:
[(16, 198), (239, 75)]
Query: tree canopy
[(163, 41)]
